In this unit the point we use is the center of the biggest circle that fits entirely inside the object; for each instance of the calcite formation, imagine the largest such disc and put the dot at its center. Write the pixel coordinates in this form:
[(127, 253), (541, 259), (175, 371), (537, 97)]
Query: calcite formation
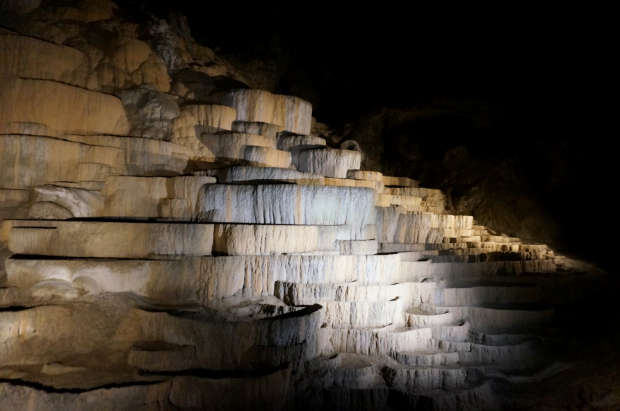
[(202, 250)]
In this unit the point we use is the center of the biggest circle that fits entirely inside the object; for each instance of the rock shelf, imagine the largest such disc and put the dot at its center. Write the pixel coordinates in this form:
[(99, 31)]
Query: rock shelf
[(168, 252)]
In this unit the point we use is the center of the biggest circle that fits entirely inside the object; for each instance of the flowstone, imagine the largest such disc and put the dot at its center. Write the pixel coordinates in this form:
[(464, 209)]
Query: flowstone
[(242, 264)]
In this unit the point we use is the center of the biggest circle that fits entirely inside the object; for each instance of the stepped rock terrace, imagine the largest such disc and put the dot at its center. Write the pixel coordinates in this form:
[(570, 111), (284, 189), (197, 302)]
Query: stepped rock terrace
[(164, 249)]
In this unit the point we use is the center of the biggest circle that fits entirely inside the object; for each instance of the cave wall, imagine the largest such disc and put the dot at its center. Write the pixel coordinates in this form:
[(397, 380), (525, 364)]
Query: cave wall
[(510, 171)]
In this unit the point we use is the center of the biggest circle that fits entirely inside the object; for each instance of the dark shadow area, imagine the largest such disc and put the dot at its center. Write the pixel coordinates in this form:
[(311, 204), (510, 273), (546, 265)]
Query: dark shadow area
[(583, 342), (53, 390), (213, 374)]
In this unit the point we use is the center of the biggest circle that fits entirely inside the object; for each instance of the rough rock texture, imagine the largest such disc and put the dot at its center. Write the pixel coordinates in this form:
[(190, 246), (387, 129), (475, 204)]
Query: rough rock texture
[(172, 239), (29, 57), (288, 204), (95, 239), (254, 127), (267, 157), (162, 158), (329, 162), (295, 143), (257, 174), (291, 113), (151, 113), (236, 239), (81, 162), (194, 120), (233, 145), (61, 108), (365, 175)]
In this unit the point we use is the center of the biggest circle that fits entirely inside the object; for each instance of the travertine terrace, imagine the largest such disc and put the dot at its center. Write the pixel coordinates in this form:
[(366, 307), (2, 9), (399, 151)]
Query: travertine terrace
[(169, 248)]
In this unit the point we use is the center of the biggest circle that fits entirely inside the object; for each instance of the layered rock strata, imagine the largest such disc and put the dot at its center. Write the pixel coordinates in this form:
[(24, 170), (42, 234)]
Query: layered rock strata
[(200, 249)]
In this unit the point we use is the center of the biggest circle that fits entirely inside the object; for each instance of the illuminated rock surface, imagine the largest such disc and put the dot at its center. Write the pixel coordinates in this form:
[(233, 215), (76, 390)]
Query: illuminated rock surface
[(167, 245)]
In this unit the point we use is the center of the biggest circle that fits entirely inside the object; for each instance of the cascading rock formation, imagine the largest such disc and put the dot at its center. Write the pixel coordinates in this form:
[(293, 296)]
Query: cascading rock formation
[(169, 244)]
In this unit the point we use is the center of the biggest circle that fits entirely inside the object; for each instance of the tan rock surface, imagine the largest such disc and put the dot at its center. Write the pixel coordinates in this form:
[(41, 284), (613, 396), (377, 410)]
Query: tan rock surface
[(398, 181), (263, 129), (267, 157), (78, 202), (211, 281), (261, 393), (27, 57), (143, 156), (231, 145), (63, 109), (345, 182), (152, 197), (121, 240), (28, 161), (236, 239), (358, 247), (195, 120), (159, 251), (365, 175)]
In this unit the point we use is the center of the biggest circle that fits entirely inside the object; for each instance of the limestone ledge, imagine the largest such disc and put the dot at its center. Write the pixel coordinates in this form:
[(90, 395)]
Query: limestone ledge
[(294, 143), (256, 175), (365, 175), (27, 161), (287, 204), (139, 327), (231, 145), (194, 120), (291, 113), (143, 156), (398, 181), (63, 109), (411, 294), (130, 197), (257, 127), (142, 239), (267, 157), (107, 239), (216, 281), (345, 182), (268, 392), (329, 162)]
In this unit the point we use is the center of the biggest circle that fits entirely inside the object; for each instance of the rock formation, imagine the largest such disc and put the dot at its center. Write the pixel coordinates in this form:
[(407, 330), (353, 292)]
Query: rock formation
[(168, 245)]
